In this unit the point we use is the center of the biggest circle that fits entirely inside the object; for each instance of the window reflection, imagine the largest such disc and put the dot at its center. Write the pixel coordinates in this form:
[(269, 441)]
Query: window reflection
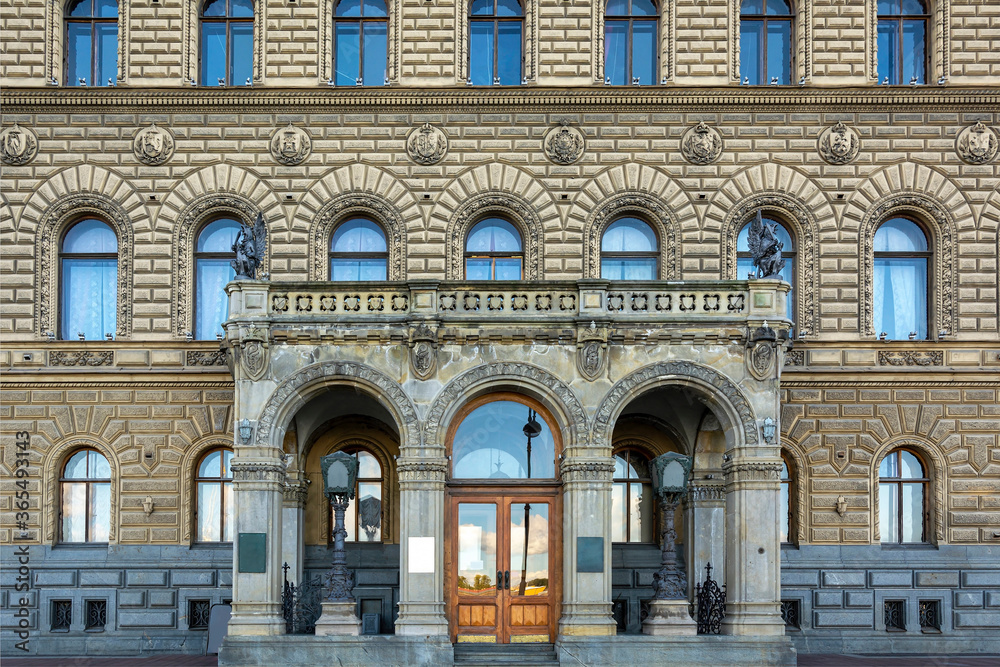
[(85, 490), (477, 547), (359, 43), (529, 549), (227, 42), (91, 42), (491, 443), (493, 251), (630, 45), (215, 497), (212, 256), (363, 518), (358, 251), (495, 30), (766, 42), (632, 508), (902, 493), (899, 291), (902, 41), (629, 251)]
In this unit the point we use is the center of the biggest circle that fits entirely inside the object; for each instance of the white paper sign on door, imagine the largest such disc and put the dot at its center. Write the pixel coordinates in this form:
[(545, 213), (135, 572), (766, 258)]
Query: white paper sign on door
[(420, 555)]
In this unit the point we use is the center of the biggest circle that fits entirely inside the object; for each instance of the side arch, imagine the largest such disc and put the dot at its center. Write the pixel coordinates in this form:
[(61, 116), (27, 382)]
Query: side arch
[(52, 464), (989, 221), (798, 472), (931, 458), (642, 205), (188, 488)]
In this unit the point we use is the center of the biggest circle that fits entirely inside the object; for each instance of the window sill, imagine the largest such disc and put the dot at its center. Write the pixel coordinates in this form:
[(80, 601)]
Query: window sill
[(81, 545), (930, 631)]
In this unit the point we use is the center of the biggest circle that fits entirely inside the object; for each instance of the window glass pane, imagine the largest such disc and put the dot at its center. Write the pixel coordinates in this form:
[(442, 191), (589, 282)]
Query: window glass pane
[(218, 236), (241, 58), (348, 56), (752, 7), (900, 235), (636, 466), (490, 444), (375, 53), (783, 516), (643, 8), (890, 466), (371, 269), (106, 67), (912, 6), (349, 8), (74, 508), (478, 269), (482, 7), (744, 267), (345, 270), (615, 52), (493, 235), (788, 275), (90, 236), (910, 465), (211, 465), (778, 8), (79, 8), (106, 9), (628, 269), (644, 52), (211, 302), (751, 45), (100, 512), (914, 55), (779, 40), (97, 466), (619, 512), (900, 297), (509, 53), (621, 469), (913, 512), (215, 8), (616, 8), (888, 6), (227, 461), (89, 298), (743, 238), (350, 520), (508, 8), (508, 268), (228, 521), (888, 51), (213, 53), (368, 466), (76, 467), (888, 512), (78, 53), (481, 53), (641, 512), (209, 511), (529, 548), (628, 234), (375, 8), (358, 235), (369, 511), (477, 547), (784, 470), (241, 8)]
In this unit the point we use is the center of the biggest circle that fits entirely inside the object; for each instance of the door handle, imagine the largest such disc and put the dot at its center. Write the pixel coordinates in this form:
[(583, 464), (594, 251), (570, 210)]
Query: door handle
[(506, 580), (499, 580)]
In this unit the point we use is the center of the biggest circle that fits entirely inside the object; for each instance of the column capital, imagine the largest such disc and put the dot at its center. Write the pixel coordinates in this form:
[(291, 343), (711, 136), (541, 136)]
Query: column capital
[(738, 472), (579, 469), (295, 493), (411, 469)]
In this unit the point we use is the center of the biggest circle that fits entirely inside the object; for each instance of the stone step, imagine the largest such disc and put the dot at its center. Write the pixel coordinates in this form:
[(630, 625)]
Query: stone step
[(504, 655)]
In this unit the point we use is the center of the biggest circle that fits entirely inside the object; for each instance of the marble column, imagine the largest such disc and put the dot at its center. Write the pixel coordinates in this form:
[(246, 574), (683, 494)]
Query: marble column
[(293, 527), (421, 552), (705, 530), (586, 503)]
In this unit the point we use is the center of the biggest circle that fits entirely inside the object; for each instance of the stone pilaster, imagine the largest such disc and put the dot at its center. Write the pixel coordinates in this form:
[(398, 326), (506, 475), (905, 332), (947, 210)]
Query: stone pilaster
[(704, 528), (292, 527), (421, 502), (586, 606)]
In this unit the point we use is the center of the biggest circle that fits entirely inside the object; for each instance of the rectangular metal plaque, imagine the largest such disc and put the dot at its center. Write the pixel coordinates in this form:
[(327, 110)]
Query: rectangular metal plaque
[(590, 554), (253, 552)]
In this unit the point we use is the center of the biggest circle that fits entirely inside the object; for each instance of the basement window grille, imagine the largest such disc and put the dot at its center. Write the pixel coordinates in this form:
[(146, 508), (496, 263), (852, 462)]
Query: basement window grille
[(895, 615), (198, 612), (97, 614), (62, 615), (930, 615), (790, 614)]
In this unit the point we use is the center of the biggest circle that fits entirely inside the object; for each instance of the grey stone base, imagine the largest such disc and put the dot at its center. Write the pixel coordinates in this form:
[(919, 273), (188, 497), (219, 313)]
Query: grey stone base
[(892, 643), (344, 651), (698, 651)]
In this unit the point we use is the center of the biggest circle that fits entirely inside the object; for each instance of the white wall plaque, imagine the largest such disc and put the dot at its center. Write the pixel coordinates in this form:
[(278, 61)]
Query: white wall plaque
[(421, 555)]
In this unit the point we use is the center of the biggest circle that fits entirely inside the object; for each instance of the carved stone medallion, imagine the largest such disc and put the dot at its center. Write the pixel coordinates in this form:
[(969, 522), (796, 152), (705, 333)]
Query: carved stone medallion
[(423, 351), (839, 144), (701, 144), (427, 144), (591, 357), (18, 145), (563, 144), (291, 145), (760, 360), (253, 356), (976, 144), (153, 145)]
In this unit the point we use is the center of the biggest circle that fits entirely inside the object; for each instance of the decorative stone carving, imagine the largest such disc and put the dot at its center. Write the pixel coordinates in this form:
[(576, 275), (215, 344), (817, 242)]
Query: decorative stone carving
[(761, 353), (153, 145), (18, 145), (701, 144), (564, 144), (199, 358), (368, 205), (295, 493), (514, 209), (839, 144), (290, 146), (253, 353), (795, 358), (765, 248), (250, 247), (81, 358), (423, 351), (976, 144), (577, 470), (258, 472), (910, 358), (752, 472), (591, 357), (427, 144)]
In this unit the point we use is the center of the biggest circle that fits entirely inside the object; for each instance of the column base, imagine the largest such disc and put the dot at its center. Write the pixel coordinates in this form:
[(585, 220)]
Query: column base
[(752, 618), (255, 623), (338, 618), (424, 619), (584, 619), (669, 618)]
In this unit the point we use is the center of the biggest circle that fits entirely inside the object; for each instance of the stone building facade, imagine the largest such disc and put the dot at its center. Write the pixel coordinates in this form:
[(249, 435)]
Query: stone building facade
[(391, 366)]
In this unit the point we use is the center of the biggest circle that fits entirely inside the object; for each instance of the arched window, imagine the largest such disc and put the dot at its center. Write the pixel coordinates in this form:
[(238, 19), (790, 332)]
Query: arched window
[(85, 491), (91, 42), (359, 42), (902, 494), (226, 42), (900, 280), (363, 519), (88, 267), (632, 506), (213, 253), (358, 251), (493, 251), (766, 42), (629, 251), (902, 41), (215, 497), (503, 439), (744, 261), (785, 517), (630, 45), (495, 49)]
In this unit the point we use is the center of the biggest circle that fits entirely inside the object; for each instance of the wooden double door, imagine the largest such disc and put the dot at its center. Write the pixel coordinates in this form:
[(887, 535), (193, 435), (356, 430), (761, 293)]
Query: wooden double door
[(503, 574)]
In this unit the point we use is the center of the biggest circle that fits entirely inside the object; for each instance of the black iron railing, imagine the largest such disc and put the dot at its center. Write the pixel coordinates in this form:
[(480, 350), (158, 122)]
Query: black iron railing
[(711, 604)]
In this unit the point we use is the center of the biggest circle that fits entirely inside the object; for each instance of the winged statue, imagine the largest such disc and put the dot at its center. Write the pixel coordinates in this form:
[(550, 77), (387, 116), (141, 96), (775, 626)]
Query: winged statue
[(765, 248), (250, 246)]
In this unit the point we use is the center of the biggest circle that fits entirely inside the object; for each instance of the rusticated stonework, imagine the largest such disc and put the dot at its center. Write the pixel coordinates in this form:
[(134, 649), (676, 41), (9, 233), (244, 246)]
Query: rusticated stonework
[(641, 205), (512, 208), (360, 204)]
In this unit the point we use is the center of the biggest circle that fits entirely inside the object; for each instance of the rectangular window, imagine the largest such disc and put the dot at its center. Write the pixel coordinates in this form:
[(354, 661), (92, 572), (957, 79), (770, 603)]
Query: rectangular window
[(241, 57), (357, 269), (478, 269), (74, 506), (615, 52), (198, 613), (107, 53), (628, 269), (509, 53), (209, 511), (913, 512), (751, 45), (914, 56), (930, 616), (97, 614), (895, 615), (89, 298), (779, 55), (79, 53), (900, 297), (641, 499), (100, 512), (644, 52), (213, 53), (481, 53), (888, 498), (212, 304), (375, 53), (348, 55), (790, 614), (508, 268), (619, 511), (369, 503), (62, 615)]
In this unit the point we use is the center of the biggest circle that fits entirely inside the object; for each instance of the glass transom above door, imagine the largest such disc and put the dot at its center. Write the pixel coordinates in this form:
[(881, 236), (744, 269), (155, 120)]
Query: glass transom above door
[(503, 440)]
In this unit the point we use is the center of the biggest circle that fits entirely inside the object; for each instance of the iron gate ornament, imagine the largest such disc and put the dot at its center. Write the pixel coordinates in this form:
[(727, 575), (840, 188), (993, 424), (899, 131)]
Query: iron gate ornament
[(301, 605), (711, 602)]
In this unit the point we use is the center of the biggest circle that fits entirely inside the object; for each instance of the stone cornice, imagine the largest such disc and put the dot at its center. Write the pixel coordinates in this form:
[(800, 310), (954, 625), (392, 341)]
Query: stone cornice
[(121, 100)]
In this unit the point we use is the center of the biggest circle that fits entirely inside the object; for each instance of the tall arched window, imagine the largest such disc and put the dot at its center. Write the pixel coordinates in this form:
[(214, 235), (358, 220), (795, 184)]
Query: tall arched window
[(495, 47), (900, 280), (630, 45), (785, 517), (493, 251), (91, 42), (213, 253), (632, 506), (85, 492), (226, 42), (363, 519), (902, 494), (766, 42), (902, 41), (629, 251), (358, 251), (88, 266), (359, 42), (215, 497), (744, 261)]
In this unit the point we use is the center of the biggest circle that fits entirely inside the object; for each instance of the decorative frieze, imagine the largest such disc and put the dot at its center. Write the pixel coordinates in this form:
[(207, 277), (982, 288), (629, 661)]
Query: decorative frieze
[(200, 358), (577, 470), (81, 358), (910, 358), (258, 472), (752, 472)]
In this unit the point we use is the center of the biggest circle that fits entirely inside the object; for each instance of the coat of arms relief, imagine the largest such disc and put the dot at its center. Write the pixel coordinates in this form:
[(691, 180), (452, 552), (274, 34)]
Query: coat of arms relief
[(290, 146), (427, 144), (701, 144), (976, 144), (18, 145), (153, 145), (563, 144), (839, 144)]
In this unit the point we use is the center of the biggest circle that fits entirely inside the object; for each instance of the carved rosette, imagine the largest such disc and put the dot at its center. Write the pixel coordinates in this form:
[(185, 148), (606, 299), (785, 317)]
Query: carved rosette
[(18, 145), (290, 145), (153, 145), (423, 351), (427, 144), (839, 144), (976, 144), (253, 354), (563, 144), (701, 144), (591, 352)]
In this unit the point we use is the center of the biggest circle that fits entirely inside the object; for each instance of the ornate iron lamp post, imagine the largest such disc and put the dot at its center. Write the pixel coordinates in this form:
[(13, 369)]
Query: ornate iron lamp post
[(668, 611), (340, 472)]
